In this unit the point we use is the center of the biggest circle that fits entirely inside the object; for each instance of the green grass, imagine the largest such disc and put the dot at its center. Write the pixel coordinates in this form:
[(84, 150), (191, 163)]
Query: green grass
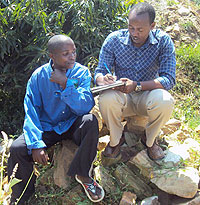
[(171, 2), (187, 89)]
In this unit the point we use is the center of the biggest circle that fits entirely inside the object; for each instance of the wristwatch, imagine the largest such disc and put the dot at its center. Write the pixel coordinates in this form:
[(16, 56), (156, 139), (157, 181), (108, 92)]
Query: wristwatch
[(138, 87)]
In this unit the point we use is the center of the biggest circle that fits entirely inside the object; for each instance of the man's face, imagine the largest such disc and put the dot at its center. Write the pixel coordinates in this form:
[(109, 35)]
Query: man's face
[(64, 57), (139, 27)]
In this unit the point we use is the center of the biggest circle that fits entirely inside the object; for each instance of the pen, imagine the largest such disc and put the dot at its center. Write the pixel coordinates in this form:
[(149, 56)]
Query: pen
[(107, 68)]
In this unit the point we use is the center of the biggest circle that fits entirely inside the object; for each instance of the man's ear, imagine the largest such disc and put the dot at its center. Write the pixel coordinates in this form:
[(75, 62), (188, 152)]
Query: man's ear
[(51, 56), (153, 25)]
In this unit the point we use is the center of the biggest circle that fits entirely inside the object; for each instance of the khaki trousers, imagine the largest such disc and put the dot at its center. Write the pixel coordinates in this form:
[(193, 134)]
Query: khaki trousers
[(156, 104)]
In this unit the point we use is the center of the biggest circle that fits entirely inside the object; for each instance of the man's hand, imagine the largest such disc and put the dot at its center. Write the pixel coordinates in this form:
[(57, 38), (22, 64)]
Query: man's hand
[(107, 79), (59, 76), (40, 156), (128, 87)]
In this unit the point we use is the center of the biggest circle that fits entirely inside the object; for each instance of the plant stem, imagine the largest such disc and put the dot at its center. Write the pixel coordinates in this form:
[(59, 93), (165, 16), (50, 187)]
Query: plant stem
[(2, 160), (25, 187)]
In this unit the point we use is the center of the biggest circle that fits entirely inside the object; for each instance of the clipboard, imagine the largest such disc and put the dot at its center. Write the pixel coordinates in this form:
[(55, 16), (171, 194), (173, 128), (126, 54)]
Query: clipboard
[(99, 88)]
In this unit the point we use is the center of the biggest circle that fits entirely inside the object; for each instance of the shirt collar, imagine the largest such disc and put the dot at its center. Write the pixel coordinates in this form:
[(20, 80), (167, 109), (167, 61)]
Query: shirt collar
[(68, 70), (151, 39), (50, 64), (126, 38)]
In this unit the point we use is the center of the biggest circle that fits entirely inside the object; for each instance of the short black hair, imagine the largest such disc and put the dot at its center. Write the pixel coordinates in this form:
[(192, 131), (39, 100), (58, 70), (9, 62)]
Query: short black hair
[(144, 7), (56, 42)]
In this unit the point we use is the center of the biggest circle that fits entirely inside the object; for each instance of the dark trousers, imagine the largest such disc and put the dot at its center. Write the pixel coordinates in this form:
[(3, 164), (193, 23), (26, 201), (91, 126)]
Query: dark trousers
[(84, 133)]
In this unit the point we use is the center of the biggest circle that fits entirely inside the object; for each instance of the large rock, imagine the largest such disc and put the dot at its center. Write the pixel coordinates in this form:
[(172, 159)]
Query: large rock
[(182, 182), (105, 179), (166, 174), (95, 110), (126, 178), (195, 201), (183, 11), (150, 201), (132, 139), (173, 157), (144, 163), (136, 124), (62, 159), (128, 198)]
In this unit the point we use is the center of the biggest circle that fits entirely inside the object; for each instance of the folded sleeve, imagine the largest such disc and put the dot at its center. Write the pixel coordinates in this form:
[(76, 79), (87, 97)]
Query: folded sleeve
[(167, 68), (32, 126)]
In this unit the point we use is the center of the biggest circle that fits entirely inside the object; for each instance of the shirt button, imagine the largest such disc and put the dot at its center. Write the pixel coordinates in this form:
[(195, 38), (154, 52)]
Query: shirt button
[(63, 112)]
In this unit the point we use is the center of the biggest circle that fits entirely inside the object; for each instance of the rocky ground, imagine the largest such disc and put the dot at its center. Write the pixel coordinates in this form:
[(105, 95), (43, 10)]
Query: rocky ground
[(179, 18)]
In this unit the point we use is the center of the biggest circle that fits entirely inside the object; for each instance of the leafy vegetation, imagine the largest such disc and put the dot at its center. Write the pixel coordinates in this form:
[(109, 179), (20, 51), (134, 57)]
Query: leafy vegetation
[(171, 2), (188, 26), (5, 188), (187, 89)]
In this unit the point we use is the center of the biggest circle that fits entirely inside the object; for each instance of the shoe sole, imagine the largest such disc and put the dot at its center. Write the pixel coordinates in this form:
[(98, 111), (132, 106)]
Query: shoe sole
[(87, 193)]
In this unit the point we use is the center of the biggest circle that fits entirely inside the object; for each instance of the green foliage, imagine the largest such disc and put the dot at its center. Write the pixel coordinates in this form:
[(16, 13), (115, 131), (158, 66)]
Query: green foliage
[(188, 62), (90, 22), (171, 2), (5, 188), (188, 26), (23, 35), (189, 56), (27, 25), (188, 79)]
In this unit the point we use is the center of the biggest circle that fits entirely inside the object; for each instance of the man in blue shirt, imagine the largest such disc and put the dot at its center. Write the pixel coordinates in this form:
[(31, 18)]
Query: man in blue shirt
[(57, 105), (143, 58)]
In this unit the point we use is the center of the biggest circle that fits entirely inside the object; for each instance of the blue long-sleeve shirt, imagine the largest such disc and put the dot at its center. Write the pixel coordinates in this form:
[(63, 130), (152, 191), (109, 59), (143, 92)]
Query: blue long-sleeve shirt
[(48, 107), (154, 60)]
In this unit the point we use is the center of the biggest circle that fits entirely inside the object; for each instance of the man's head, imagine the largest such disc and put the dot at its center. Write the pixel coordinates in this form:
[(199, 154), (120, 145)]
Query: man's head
[(62, 51), (140, 21)]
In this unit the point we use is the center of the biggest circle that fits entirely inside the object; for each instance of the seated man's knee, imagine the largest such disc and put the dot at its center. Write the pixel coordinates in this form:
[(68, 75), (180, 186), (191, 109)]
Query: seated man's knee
[(17, 148), (91, 127), (161, 99), (94, 121), (91, 121), (110, 98)]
